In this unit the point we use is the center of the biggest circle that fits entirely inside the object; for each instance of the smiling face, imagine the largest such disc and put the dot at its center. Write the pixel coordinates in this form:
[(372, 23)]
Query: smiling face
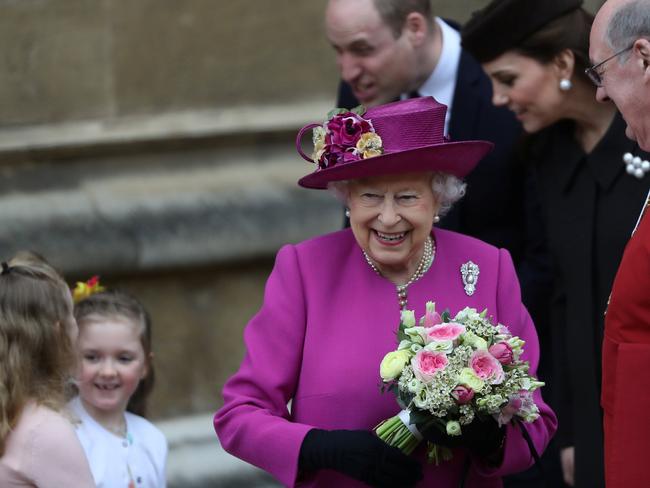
[(378, 66), (112, 364), (625, 78), (528, 88), (391, 218)]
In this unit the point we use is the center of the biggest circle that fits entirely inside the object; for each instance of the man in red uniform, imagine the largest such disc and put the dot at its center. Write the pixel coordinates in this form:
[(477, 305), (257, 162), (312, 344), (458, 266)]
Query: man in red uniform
[(620, 47)]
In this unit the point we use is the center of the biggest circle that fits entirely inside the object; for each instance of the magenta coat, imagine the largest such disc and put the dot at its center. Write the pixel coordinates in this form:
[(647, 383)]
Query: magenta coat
[(326, 323)]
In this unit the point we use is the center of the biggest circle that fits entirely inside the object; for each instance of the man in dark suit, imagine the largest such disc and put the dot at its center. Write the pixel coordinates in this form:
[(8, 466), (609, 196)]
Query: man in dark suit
[(392, 49)]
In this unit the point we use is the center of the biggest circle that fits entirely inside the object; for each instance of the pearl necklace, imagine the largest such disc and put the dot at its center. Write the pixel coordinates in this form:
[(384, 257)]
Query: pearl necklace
[(423, 266)]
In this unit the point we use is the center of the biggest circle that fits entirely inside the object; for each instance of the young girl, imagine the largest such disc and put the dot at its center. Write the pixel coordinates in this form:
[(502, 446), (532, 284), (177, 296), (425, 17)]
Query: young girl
[(115, 377), (38, 446)]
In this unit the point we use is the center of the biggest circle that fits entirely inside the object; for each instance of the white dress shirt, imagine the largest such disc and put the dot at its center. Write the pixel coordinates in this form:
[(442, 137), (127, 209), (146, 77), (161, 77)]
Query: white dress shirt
[(441, 84)]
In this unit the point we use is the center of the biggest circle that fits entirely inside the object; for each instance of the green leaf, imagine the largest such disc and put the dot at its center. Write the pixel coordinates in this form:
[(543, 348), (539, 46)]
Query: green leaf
[(359, 110), (401, 335), (336, 111), (404, 398), (445, 316)]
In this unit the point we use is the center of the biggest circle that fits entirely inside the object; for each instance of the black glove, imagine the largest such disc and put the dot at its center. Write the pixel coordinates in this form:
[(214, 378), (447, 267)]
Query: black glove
[(360, 455), (482, 437)]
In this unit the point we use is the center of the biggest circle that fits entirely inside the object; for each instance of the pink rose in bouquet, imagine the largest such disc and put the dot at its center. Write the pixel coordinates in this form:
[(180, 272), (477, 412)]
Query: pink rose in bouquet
[(520, 404), (445, 332), (431, 318), (463, 394), (427, 363), (486, 367), (502, 352)]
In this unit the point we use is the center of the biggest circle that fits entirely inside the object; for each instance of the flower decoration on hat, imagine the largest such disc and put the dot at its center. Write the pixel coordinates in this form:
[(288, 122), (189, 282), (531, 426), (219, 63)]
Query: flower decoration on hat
[(84, 289), (346, 136)]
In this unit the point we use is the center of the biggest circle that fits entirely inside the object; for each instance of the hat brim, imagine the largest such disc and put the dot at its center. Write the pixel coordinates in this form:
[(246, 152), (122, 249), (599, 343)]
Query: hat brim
[(455, 158)]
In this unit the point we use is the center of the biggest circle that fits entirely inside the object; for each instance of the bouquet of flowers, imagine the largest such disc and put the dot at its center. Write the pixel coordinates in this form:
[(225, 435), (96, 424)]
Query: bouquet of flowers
[(447, 371)]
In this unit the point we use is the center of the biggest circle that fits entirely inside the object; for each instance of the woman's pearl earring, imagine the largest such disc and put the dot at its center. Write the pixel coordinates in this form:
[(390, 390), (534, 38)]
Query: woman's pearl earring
[(347, 213), (436, 219), (565, 84)]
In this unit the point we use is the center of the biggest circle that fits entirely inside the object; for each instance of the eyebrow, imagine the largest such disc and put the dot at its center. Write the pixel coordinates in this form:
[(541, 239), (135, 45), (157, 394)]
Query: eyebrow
[(358, 43)]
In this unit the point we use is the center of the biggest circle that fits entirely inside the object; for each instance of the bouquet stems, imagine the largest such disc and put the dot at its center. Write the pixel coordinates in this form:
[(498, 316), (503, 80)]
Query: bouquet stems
[(436, 453), (395, 433)]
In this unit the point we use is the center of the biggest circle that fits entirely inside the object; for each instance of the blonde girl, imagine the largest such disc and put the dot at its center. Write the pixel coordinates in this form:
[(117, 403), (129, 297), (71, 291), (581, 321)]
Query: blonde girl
[(115, 377), (38, 446)]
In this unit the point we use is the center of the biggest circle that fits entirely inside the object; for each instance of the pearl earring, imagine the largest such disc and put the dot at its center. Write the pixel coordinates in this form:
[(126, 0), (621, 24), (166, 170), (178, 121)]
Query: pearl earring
[(347, 213), (436, 219), (636, 166), (565, 84)]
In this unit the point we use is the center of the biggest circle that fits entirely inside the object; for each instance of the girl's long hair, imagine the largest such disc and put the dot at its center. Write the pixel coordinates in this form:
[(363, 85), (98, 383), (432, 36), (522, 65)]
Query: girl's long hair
[(37, 356)]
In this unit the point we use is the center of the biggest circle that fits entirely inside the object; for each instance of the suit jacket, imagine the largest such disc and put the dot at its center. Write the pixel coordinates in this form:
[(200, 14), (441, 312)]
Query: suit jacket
[(493, 208), (626, 361), (326, 323), (590, 206)]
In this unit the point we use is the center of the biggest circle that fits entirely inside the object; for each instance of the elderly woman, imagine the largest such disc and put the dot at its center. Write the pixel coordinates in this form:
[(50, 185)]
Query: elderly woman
[(332, 307), (592, 181)]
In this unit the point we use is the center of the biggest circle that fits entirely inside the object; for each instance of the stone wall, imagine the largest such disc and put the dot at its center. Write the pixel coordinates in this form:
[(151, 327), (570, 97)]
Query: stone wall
[(98, 60), (151, 141)]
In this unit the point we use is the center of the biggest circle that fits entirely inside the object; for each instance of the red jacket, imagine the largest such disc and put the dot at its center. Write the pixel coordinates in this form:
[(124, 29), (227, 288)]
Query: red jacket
[(626, 366)]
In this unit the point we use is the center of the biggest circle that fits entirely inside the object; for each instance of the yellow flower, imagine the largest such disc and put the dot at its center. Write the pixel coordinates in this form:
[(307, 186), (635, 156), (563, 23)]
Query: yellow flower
[(393, 364), (85, 289), (318, 138), (369, 145), (468, 378)]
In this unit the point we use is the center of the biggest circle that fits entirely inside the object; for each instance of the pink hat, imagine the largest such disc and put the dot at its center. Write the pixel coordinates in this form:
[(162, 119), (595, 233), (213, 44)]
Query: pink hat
[(399, 137)]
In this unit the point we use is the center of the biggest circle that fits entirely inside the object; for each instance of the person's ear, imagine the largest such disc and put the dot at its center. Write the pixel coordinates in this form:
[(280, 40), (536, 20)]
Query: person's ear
[(564, 64), (147, 366), (416, 28), (641, 50)]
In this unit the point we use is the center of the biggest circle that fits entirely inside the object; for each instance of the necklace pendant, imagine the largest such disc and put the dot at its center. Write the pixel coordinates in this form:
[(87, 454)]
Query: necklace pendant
[(469, 274)]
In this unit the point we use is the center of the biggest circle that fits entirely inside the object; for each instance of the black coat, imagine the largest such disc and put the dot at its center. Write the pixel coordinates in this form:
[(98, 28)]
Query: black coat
[(590, 206)]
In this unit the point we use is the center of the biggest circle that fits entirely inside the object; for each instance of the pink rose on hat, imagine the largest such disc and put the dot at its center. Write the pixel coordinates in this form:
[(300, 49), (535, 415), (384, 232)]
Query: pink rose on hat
[(345, 130), (342, 133)]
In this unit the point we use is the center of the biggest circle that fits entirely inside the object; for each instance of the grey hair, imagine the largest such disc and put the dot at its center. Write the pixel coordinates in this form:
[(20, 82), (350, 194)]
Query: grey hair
[(447, 189), (628, 23)]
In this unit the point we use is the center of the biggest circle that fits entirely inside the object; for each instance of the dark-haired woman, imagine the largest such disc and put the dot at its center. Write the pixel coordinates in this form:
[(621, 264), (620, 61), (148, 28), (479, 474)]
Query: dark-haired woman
[(591, 190)]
